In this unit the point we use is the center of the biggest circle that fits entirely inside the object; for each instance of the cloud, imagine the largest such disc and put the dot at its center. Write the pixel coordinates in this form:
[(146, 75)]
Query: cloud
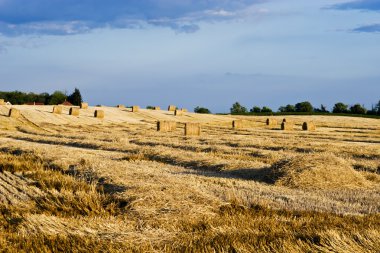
[(57, 17), (374, 28), (370, 5)]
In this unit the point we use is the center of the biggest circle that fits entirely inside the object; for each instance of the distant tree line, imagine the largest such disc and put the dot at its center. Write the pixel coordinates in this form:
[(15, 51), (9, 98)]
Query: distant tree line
[(57, 97), (307, 107)]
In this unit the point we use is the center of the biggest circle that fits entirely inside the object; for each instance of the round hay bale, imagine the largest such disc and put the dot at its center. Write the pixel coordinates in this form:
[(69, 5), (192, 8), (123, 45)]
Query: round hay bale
[(287, 126), (308, 126), (172, 108), (83, 105), (178, 113), (74, 111), (99, 114), (271, 122), (135, 108), (14, 113), (120, 106), (2, 102), (57, 109), (320, 171)]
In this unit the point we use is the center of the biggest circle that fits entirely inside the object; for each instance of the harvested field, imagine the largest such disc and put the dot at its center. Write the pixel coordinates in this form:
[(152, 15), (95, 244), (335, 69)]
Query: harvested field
[(118, 185)]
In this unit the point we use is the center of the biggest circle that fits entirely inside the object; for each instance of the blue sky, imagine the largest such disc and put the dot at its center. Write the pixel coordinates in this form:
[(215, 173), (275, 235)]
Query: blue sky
[(191, 52)]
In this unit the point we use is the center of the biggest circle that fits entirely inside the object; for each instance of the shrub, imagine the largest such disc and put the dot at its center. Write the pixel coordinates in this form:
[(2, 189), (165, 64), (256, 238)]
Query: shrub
[(201, 110)]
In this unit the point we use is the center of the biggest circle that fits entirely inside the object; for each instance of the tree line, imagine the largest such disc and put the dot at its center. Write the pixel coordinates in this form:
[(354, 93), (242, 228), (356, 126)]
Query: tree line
[(301, 107), (307, 107), (57, 97)]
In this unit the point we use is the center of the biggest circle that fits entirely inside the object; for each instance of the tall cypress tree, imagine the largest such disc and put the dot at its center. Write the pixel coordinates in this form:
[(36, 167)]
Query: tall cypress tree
[(75, 98)]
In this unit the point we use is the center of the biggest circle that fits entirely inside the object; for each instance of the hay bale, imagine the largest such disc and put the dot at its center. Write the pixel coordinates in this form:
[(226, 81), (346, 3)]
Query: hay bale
[(184, 110), (135, 108), (14, 113), (287, 126), (271, 122), (57, 109), (318, 171), (236, 124), (99, 114), (308, 126), (192, 129), (156, 108), (74, 111), (166, 126), (172, 108), (2, 102), (120, 106), (83, 105), (178, 113)]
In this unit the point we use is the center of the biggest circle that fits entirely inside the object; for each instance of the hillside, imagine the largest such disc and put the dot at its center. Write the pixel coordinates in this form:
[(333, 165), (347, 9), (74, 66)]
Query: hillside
[(78, 183)]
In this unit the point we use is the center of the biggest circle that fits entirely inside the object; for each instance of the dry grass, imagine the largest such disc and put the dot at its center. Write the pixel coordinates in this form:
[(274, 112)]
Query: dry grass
[(118, 185)]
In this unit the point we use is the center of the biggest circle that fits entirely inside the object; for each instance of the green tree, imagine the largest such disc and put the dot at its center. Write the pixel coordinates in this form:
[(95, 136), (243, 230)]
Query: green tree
[(58, 97), (340, 108), (358, 109), (201, 110), (377, 108), (75, 98), (255, 109), (237, 109), (266, 109), (304, 107)]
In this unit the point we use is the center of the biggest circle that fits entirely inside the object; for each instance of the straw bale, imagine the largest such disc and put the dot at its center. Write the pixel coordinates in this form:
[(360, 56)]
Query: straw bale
[(120, 106), (157, 108), (74, 111), (184, 110), (271, 122), (14, 113), (287, 126), (236, 124), (178, 113), (135, 108), (166, 126), (83, 105), (2, 102), (99, 114), (192, 129), (57, 109), (172, 108), (308, 126)]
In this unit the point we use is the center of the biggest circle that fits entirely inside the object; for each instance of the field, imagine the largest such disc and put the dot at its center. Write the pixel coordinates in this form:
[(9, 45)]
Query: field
[(79, 183)]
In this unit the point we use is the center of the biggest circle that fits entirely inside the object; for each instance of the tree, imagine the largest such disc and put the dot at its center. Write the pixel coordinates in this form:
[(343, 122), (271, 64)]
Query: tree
[(377, 108), (287, 108), (75, 98), (340, 108), (266, 110), (304, 107), (58, 97), (358, 109), (237, 108), (256, 109), (201, 110)]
